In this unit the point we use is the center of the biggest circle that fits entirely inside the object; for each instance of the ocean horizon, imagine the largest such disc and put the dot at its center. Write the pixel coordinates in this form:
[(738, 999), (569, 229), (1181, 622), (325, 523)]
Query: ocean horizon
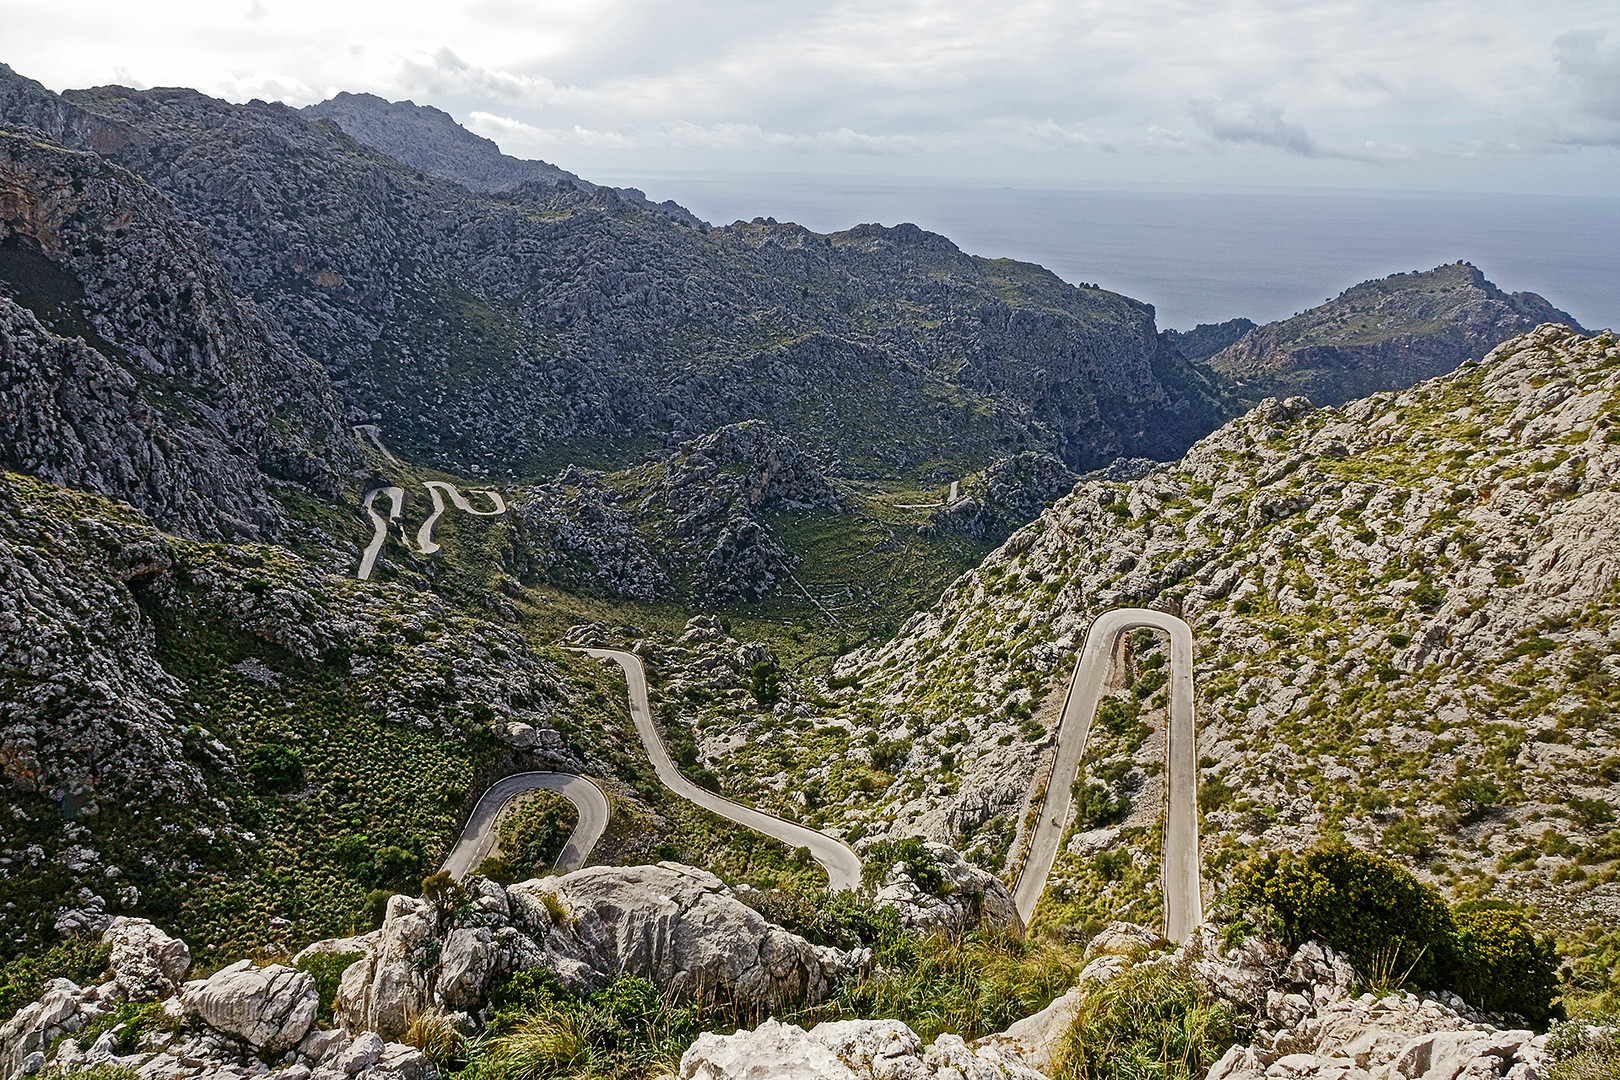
[(1202, 255)]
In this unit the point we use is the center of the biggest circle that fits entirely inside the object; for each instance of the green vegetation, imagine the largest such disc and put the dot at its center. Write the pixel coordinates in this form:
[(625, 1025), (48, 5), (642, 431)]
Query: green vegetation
[(539, 1030), (1388, 924), (23, 979), (327, 970), (972, 986), (913, 855), (532, 834), (1148, 1023)]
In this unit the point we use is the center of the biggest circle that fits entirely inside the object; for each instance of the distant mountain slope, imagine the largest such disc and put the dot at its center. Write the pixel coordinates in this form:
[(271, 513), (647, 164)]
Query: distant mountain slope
[(1207, 339), (552, 324), (129, 368), (1385, 334), (430, 139)]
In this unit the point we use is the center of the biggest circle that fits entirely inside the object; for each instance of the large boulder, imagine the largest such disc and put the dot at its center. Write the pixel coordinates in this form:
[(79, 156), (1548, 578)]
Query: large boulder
[(845, 1050), (146, 963), (269, 1008), (968, 898), (678, 927), (684, 931)]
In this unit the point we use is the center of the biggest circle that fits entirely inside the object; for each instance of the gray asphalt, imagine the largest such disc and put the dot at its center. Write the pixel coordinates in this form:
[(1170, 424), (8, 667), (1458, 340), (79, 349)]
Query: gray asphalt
[(438, 489), (396, 495), (478, 838), (843, 866), (1179, 866)]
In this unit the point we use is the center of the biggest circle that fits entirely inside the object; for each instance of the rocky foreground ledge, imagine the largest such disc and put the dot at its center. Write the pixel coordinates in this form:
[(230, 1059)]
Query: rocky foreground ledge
[(688, 934)]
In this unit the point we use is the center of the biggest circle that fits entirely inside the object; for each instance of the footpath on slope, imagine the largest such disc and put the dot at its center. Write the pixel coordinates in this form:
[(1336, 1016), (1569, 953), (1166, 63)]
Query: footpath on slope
[(843, 866), (1179, 865), (478, 838)]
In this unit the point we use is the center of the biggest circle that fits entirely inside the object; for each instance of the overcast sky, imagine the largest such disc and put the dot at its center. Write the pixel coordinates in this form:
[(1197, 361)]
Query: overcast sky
[(1487, 95)]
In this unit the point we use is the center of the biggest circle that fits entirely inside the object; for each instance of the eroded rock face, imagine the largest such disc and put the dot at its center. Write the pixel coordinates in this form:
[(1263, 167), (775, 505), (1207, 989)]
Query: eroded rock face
[(147, 964), (968, 899), (845, 1050), (269, 1008), (678, 927)]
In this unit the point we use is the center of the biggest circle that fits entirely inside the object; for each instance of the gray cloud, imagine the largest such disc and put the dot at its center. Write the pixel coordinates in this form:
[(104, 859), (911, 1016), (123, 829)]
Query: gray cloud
[(1234, 88)]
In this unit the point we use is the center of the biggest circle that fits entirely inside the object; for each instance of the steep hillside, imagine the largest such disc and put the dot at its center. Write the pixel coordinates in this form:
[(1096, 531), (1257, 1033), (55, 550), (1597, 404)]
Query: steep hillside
[(1380, 335), (1405, 622), (430, 139), (129, 367), (519, 333)]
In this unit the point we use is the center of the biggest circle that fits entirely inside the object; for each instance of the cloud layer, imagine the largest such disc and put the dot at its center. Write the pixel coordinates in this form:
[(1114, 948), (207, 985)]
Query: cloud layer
[(1450, 92)]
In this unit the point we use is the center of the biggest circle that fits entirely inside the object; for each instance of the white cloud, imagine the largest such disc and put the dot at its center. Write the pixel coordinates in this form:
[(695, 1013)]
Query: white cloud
[(1022, 86)]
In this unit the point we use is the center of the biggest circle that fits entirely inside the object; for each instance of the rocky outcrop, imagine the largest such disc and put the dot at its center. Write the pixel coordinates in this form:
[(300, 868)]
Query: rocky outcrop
[(1381, 335), (845, 1050), (678, 927), (967, 898), (146, 963), (268, 1008), (1011, 492), (131, 369)]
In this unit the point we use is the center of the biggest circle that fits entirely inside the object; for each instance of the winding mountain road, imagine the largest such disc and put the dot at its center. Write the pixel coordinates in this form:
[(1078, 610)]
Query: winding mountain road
[(843, 866), (1179, 867), (478, 838), (376, 440), (396, 496), (439, 489)]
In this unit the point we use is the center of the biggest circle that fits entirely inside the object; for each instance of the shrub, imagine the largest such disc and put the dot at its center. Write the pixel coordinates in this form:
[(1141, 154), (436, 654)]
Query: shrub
[(1408, 837), (376, 906), (327, 970), (889, 753), (970, 986), (23, 980), (913, 855), (533, 832), (1503, 966), (1394, 928), (765, 684), (1471, 796), (275, 769), (843, 920), (1364, 905), (1095, 805), (1147, 1023)]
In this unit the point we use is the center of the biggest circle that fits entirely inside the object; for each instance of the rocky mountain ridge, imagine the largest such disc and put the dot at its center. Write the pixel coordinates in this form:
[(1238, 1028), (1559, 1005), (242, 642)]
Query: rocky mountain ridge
[(431, 140), (485, 330), (1380, 335)]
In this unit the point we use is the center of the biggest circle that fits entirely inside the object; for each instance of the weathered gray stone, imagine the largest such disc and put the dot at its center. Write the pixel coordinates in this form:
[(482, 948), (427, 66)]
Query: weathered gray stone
[(146, 963), (269, 1008)]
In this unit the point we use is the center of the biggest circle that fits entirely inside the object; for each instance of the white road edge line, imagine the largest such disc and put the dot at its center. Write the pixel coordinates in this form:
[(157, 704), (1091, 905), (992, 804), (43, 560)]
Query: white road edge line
[(843, 866), (1180, 877)]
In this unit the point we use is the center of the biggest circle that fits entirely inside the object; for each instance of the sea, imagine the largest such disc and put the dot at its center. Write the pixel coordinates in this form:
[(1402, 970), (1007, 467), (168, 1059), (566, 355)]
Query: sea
[(1203, 255)]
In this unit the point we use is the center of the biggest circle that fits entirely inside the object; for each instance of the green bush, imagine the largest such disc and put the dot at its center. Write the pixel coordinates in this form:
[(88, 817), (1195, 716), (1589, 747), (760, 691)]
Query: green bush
[(970, 986), (1095, 805), (1147, 1023), (23, 980), (843, 920), (1503, 966), (913, 854), (327, 970), (275, 769), (1392, 927), (1365, 906)]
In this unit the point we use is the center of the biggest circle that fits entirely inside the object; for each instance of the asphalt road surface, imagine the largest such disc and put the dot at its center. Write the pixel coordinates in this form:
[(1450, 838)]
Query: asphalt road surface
[(396, 496), (1179, 868), (439, 489), (843, 866), (478, 839)]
